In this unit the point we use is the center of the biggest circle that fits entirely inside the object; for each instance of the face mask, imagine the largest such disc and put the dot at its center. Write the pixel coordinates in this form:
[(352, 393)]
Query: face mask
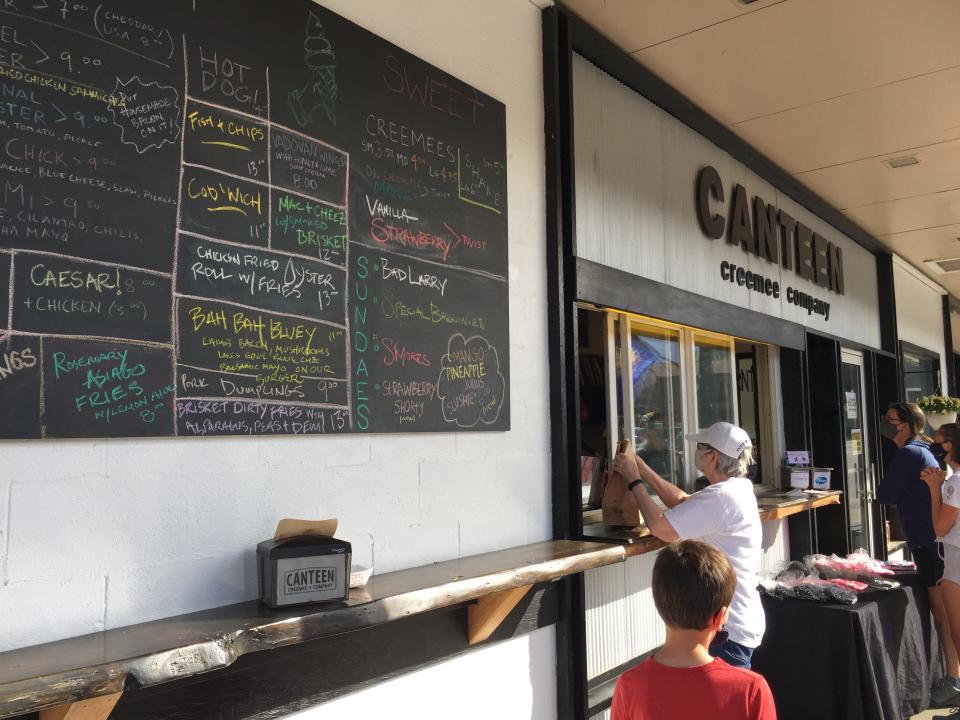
[(888, 429), (698, 459)]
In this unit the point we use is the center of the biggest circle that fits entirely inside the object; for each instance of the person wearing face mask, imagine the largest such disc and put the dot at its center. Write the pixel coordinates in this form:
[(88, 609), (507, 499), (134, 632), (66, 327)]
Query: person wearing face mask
[(903, 487), (945, 514), (723, 514)]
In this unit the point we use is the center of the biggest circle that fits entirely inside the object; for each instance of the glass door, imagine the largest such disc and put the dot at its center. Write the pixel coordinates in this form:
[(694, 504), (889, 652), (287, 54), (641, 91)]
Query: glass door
[(858, 480)]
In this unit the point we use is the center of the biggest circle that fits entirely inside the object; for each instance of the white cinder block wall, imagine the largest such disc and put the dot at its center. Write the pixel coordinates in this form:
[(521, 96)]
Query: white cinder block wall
[(101, 534)]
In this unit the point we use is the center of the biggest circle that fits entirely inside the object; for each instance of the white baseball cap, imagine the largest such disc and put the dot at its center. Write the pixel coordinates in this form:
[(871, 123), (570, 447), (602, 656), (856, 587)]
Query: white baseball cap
[(724, 437)]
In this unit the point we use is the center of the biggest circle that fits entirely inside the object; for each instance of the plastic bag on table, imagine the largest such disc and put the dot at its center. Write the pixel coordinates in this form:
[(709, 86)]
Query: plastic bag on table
[(854, 585), (793, 571), (811, 589), (879, 583), (853, 567), (836, 593)]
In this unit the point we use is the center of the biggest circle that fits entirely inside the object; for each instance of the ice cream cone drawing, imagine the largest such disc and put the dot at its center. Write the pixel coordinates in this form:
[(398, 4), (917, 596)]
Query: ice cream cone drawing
[(320, 93)]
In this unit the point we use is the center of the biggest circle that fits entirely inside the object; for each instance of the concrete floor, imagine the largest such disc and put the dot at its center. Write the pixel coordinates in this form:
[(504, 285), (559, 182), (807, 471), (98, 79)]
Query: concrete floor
[(951, 713)]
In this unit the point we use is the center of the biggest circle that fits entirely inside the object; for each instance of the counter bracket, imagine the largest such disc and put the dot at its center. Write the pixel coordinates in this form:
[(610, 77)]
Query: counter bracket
[(96, 708), (485, 616)]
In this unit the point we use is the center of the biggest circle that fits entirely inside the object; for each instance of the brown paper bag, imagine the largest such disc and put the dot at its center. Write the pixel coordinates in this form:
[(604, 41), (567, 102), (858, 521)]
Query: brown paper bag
[(290, 527), (620, 508)]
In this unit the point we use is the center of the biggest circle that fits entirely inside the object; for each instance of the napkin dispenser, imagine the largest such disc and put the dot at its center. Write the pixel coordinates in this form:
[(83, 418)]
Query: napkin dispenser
[(303, 563)]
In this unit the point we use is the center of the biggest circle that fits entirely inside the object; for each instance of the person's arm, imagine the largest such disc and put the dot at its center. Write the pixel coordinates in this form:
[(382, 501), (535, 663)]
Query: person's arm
[(632, 467), (653, 517), (669, 493), (897, 477), (944, 514)]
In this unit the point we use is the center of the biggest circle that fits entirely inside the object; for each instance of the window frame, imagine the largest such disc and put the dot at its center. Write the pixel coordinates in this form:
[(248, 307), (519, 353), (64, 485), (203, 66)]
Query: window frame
[(621, 323), (921, 353)]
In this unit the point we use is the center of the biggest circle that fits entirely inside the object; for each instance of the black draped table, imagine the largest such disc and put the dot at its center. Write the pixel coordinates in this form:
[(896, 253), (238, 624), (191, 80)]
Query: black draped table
[(873, 660)]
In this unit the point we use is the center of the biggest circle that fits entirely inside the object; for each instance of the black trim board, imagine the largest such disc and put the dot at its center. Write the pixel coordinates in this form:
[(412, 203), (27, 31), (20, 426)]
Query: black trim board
[(871, 429), (609, 287), (949, 372), (601, 687), (571, 632), (561, 297), (827, 447), (596, 48), (888, 389), (801, 528), (887, 301), (851, 344)]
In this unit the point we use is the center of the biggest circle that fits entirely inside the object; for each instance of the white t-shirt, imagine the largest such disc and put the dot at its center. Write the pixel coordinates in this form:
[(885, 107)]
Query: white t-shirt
[(725, 514), (950, 493)]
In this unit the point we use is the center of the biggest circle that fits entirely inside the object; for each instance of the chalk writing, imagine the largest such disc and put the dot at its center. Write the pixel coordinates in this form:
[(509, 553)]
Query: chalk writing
[(280, 356), (470, 385), (223, 206), (225, 141), (149, 117), (431, 92), (308, 167), (121, 386), (56, 295), (252, 417), (263, 279), (360, 344), (219, 77), (309, 227)]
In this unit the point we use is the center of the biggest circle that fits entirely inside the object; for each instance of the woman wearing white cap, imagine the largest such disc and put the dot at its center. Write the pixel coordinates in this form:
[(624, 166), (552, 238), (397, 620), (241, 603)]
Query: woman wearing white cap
[(724, 514)]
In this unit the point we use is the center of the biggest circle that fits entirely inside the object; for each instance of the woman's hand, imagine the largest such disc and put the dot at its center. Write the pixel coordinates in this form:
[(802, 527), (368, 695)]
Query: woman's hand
[(626, 465), (933, 477)]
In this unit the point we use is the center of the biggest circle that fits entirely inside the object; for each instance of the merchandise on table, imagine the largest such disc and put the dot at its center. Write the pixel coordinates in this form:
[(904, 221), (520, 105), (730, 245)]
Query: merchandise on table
[(821, 578), (853, 567), (812, 589)]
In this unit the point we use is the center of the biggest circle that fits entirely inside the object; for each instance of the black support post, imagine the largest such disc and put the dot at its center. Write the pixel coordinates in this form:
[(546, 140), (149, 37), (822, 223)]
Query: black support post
[(949, 369), (887, 298), (562, 334), (826, 437), (801, 528)]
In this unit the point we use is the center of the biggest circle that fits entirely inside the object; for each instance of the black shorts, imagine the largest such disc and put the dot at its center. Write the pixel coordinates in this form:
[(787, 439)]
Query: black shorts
[(929, 563)]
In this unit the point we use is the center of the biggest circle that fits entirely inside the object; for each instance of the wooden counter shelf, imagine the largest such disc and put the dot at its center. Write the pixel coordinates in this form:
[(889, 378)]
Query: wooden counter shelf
[(773, 505), (83, 677), (777, 506)]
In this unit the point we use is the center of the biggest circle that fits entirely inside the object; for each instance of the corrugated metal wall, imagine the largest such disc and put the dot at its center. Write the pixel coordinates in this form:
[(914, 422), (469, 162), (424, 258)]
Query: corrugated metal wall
[(622, 622)]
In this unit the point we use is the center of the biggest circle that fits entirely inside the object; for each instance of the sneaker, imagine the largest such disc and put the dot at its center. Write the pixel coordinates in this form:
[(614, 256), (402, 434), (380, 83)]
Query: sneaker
[(944, 694)]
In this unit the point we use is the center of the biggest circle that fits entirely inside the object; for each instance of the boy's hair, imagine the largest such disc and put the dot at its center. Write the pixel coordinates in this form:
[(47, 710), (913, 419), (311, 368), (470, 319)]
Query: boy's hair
[(691, 582)]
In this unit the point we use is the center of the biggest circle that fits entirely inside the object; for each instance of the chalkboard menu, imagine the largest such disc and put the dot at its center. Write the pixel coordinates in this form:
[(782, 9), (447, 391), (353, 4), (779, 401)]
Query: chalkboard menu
[(243, 218)]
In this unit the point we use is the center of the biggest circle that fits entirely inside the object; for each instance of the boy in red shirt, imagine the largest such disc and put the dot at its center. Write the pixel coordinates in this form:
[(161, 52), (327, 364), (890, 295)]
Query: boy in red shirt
[(693, 585)]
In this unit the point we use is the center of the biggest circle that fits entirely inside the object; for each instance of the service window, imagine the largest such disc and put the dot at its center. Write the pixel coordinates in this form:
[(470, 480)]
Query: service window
[(653, 382)]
